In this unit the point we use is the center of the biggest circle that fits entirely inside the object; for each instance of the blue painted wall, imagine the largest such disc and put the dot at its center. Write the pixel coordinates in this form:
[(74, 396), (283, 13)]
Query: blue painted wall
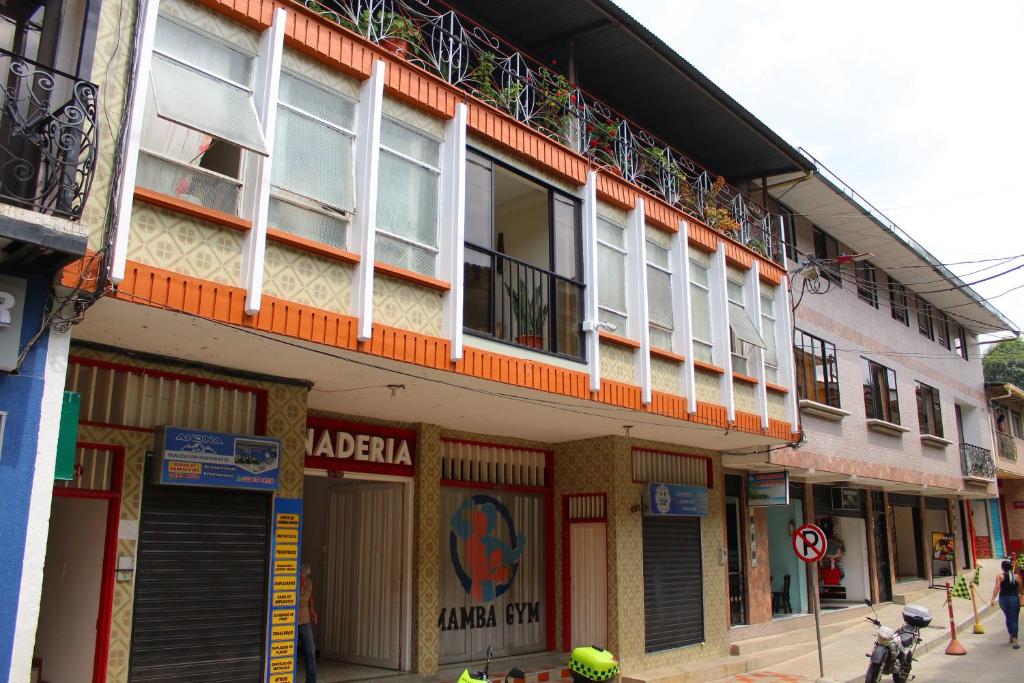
[(783, 559), (21, 398)]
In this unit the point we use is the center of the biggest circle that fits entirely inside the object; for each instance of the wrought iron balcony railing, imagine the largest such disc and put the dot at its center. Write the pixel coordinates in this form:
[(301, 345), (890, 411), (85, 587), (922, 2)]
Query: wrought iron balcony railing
[(977, 461), (47, 138), (513, 302), (1007, 447), (438, 39)]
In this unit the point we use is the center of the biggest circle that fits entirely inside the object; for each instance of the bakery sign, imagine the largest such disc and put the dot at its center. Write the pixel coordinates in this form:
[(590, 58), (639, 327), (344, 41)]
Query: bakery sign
[(339, 446)]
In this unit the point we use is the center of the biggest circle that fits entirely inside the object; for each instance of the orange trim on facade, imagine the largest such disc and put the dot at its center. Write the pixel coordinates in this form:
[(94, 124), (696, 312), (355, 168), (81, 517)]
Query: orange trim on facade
[(166, 201), (312, 246), (411, 276), (618, 340), (708, 367), (777, 388), (222, 303), (746, 379), (350, 53), (667, 355)]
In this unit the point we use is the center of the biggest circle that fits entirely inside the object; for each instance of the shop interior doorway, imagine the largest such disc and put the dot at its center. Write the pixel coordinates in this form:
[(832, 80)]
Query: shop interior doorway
[(907, 534), (788, 574), (356, 533), (841, 512)]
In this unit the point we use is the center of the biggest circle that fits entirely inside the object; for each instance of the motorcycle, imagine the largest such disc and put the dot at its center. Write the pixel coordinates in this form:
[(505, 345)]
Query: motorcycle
[(483, 675), (894, 649)]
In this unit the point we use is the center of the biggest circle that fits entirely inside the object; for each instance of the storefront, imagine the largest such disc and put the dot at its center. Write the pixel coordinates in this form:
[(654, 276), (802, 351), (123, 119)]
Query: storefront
[(841, 512), (907, 528), (781, 502), (941, 540), (987, 528), (357, 537)]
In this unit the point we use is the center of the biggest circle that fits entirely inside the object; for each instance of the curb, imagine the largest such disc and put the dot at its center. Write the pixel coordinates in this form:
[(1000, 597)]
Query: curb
[(939, 641)]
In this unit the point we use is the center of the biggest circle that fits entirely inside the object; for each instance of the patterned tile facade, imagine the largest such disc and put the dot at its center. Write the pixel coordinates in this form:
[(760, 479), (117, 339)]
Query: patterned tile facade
[(172, 241), (305, 278), (618, 363), (707, 387), (743, 395), (407, 306), (665, 376), (776, 405)]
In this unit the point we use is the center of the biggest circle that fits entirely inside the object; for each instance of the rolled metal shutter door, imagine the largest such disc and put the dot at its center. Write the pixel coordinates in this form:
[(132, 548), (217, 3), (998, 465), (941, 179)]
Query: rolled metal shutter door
[(673, 583), (201, 586)]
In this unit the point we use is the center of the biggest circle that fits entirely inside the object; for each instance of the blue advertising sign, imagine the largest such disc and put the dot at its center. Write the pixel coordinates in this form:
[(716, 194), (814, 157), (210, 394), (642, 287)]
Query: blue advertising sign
[(282, 615), (765, 489), (192, 457), (677, 500)]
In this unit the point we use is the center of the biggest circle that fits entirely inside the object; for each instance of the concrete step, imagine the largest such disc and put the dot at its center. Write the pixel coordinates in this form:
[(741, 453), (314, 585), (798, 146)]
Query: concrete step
[(801, 636), (724, 667)]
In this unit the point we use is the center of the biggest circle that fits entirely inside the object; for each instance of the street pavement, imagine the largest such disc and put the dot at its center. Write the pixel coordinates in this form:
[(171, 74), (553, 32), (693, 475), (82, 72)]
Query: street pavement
[(989, 659)]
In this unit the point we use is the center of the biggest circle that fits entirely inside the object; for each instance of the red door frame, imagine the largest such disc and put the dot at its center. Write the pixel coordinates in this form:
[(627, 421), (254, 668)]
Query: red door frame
[(566, 563), (106, 602)]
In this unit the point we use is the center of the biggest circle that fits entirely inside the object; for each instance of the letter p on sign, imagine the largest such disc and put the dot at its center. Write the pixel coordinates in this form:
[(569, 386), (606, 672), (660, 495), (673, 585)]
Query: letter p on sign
[(809, 543)]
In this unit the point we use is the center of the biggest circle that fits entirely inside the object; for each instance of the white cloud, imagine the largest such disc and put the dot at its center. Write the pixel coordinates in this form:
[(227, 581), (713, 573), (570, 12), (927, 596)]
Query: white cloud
[(916, 105)]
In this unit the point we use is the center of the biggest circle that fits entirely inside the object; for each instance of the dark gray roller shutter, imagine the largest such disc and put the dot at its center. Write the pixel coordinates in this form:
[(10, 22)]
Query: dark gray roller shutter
[(200, 586), (673, 583)]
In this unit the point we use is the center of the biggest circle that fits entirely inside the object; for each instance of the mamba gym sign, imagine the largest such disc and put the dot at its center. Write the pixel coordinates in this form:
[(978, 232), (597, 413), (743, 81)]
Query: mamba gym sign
[(492, 573)]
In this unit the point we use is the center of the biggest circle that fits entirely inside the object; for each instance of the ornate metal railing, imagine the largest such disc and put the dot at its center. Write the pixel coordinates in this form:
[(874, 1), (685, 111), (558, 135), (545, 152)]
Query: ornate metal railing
[(514, 302), (435, 37), (47, 137), (1007, 446), (977, 461)]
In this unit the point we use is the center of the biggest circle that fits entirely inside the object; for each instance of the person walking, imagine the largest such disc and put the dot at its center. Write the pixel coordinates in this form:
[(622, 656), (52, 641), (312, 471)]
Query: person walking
[(1008, 591), (307, 618)]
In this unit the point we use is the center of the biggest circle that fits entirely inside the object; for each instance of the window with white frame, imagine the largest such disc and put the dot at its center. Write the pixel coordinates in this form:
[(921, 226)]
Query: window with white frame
[(700, 312), (611, 274), (407, 198), (312, 177), (200, 116), (659, 296), (743, 336), (771, 351)]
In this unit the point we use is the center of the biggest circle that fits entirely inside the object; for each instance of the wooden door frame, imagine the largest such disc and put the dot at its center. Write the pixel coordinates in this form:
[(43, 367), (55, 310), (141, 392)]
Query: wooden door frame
[(567, 563), (106, 598)]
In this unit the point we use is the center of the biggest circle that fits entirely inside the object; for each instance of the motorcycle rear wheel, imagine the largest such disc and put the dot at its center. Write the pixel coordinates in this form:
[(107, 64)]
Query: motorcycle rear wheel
[(874, 673)]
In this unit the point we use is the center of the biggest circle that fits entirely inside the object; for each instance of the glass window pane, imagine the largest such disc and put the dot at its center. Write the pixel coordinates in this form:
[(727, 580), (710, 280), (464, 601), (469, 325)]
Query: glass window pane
[(212, 106), (189, 184), (313, 99), (606, 316), (700, 312), (659, 297), (307, 223), (202, 52), (661, 338), (657, 254), (478, 202), (567, 238), (767, 306), (734, 291), (405, 255), (568, 307), (313, 160), (479, 293), (611, 233), (870, 390), (410, 143), (702, 351), (771, 374), (407, 200), (771, 354), (743, 327), (698, 273), (611, 277)]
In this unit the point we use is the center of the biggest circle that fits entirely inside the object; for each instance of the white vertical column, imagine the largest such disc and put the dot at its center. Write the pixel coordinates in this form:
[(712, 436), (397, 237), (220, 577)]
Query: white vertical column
[(682, 340), (122, 227), (364, 225), (784, 344), (639, 323), (451, 256), (720, 328), (752, 302), (590, 277), (256, 189)]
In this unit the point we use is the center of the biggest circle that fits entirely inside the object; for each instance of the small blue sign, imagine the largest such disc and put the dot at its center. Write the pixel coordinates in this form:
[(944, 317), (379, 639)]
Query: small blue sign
[(191, 457), (677, 500), (765, 489)]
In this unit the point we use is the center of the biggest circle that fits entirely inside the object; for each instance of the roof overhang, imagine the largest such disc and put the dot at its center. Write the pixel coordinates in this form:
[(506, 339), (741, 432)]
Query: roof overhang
[(623, 64), (842, 213)]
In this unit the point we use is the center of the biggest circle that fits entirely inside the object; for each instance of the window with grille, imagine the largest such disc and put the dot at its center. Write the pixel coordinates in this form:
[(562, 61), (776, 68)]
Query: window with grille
[(611, 274), (881, 400), (771, 350), (898, 302), (867, 287), (700, 312), (407, 198), (659, 296), (199, 117), (929, 410), (817, 372), (312, 177)]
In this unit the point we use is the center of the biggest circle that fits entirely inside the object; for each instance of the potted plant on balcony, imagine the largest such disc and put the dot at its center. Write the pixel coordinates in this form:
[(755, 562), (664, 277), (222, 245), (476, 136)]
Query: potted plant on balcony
[(718, 217), (529, 312), (393, 31)]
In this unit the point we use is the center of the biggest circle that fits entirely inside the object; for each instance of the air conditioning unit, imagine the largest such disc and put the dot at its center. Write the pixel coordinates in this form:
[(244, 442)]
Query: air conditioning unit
[(845, 499)]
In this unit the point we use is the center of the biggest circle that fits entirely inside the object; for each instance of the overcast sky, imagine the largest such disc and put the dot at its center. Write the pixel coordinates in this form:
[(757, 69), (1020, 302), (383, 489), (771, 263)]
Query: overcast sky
[(918, 106)]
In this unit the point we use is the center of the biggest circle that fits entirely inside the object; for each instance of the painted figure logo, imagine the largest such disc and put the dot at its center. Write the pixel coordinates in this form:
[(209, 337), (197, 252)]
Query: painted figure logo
[(490, 563)]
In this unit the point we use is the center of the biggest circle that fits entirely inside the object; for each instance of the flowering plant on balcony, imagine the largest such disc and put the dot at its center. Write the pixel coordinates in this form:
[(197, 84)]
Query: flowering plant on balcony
[(718, 217)]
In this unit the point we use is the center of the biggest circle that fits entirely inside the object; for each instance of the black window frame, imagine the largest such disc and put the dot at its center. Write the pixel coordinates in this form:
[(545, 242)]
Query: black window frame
[(942, 331), (925, 319), (867, 282), (826, 352), (899, 303), (826, 247), (878, 379), (960, 341), (929, 409)]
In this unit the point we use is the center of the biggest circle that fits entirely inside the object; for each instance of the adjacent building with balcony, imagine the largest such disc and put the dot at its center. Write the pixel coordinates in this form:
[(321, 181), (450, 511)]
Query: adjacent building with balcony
[(1007, 404), (49, 137)]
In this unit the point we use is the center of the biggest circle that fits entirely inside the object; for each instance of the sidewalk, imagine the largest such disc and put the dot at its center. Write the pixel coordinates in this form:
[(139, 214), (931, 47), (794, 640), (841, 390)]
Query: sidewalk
[(843, 653)]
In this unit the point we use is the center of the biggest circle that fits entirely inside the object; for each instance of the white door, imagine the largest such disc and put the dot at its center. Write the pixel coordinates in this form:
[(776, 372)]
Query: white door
[(362, 605), (588, 574)]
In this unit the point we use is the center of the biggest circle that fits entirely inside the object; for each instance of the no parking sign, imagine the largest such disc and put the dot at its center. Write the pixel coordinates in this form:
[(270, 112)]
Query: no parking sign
[(809, 543)]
